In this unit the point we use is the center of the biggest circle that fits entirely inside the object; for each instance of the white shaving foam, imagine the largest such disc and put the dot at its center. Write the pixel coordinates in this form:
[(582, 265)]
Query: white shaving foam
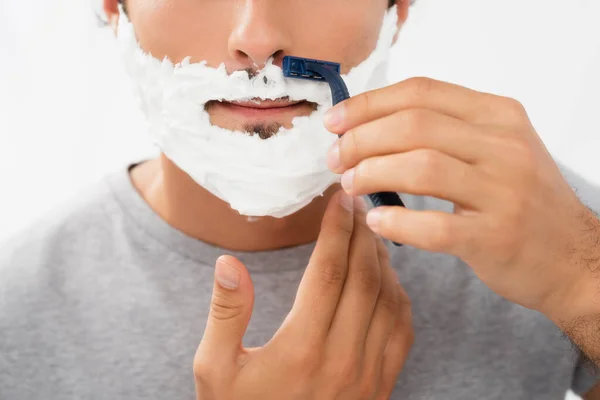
[(273, 177)]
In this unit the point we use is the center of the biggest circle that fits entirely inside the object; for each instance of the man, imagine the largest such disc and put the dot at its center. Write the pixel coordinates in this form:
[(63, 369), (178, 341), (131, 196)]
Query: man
[(109, 296)]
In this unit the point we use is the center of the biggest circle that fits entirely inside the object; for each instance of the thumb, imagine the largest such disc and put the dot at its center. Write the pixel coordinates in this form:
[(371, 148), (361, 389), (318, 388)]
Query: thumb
[(230, 307)]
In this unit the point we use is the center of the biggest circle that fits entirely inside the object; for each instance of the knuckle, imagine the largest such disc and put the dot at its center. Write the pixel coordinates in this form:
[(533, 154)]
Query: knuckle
[(405, 303), (367, 167), (514, 105), (203, 371), (414, 121), (369, 278), (336, 226), (428, 159), (420, 86), (442, 237), (224, 308), (404, 334), (332, 273), (409, 337), (362, 173), (390, 301), (349, 147), (513, 108), (425, 167), (367, 102)]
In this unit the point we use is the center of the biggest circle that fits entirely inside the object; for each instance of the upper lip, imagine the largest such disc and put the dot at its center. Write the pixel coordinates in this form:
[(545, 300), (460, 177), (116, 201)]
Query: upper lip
[(265, 104)]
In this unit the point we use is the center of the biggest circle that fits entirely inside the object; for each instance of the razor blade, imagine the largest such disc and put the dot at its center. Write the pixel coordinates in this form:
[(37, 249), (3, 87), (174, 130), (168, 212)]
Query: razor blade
[(317, 70), (303, 68)]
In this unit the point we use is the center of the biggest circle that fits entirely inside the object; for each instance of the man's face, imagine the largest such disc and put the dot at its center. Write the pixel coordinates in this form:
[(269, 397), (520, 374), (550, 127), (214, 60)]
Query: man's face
[(244, 34)]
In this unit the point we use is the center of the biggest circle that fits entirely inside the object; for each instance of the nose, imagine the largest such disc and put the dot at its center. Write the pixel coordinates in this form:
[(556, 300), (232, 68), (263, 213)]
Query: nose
[(259, 33)]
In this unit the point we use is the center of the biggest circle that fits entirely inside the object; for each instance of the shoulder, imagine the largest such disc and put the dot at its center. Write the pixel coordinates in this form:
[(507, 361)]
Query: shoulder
[(73, 230)]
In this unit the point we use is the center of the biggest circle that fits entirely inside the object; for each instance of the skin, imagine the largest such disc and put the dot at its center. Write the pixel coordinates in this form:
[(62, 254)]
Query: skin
[(516, 222)]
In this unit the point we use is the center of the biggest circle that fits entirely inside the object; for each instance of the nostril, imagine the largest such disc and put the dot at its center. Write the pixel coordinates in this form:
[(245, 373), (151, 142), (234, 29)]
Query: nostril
[(278, 58), (243, 56)]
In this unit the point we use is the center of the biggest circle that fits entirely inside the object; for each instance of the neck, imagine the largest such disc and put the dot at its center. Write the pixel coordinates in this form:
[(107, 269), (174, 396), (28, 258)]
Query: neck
[(188, 207)]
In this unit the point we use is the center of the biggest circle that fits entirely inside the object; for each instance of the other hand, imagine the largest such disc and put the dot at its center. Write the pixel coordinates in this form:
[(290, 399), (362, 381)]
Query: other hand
[(346, 337), (516, 221)]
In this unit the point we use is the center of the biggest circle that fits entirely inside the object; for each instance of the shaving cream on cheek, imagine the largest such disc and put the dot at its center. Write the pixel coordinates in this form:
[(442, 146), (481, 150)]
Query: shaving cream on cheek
[(273, 177)]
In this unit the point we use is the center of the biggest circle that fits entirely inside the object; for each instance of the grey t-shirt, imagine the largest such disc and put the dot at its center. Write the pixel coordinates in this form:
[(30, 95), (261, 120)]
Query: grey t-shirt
[(104, 300)]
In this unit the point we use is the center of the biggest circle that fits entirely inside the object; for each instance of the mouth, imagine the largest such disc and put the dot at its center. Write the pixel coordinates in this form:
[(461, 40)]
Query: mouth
[(258, 109), (257, 116), (266, 104)]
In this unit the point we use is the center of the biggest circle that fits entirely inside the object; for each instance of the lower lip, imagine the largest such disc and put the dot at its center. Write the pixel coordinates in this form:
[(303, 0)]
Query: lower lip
[(261, 112)]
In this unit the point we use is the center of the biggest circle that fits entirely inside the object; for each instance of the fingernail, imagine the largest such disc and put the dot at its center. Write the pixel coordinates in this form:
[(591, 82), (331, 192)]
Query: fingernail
[(361, 204), (226, 275), (334, 116), (348, 180), (373, 218), (333, 157), (346, 201)]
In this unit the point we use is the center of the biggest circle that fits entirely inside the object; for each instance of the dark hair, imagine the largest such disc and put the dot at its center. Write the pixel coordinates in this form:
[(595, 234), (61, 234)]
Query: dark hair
[(124, 4), (391, 3)]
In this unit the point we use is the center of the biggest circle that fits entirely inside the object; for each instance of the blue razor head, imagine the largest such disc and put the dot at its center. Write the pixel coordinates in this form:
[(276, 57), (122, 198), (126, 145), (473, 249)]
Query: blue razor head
[(297, 67)]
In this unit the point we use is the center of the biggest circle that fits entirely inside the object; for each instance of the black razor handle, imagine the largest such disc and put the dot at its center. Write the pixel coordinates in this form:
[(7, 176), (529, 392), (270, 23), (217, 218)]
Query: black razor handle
[(386, 199)]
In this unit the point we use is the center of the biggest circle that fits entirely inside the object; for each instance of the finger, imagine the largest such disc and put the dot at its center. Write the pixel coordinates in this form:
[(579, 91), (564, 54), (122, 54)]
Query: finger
[(445, 98), (384, 317), (357, 302), (323, 280), (421, 172), (398, 347), (411, 130), (435, 231), (230, 311)]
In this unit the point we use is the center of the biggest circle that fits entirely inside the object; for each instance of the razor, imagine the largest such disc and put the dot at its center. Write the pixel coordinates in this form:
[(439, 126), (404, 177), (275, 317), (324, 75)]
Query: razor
[(330, 72)]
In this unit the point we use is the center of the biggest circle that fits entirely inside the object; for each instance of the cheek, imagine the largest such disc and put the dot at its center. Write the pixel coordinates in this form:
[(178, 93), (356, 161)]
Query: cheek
[(356, 53), (347, 38), (363, 39), (178, 29)]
